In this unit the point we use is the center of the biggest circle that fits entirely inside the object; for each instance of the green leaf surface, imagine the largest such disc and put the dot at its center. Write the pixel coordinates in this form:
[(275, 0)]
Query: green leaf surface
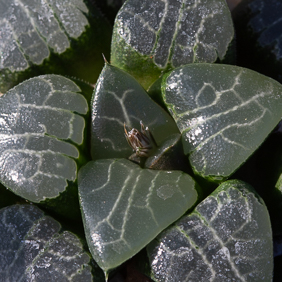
[(226, 238), (34, 248), (223, 112), (152, 37), (36, 119), (39, 37), (118, 98), (124, 207)]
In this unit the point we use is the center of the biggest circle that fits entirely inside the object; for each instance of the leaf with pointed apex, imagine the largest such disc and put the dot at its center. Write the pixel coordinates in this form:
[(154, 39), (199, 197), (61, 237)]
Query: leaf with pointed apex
[(154, 36), (34, 248), (36, 119), (124, 207), (223, 112), (226, 238), (39, 37), (118, 98)]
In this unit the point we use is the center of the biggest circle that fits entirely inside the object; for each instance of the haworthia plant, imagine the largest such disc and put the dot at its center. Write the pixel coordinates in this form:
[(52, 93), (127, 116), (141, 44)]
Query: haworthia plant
[(37, 118), (33, 31), (226, 238), (152, 37), (34, 248), (119, 99), (124, 207), (222, 115)]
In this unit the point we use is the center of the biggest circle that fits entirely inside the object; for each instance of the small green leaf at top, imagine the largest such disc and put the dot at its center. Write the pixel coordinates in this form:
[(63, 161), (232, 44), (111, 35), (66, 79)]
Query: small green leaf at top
[(223, 112), (151, 37), (34, 248), (118, 101), (40, 128), (227, 237), (124, 206)]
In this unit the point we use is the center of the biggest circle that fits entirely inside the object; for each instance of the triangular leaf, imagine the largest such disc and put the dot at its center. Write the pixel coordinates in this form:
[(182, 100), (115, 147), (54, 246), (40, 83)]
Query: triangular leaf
[(227, 238), (124, 207), (152, 37), (119, 99), (223, 112)]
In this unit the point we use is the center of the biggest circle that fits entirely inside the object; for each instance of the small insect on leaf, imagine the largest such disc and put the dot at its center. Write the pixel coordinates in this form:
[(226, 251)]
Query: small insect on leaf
[(142, 142)]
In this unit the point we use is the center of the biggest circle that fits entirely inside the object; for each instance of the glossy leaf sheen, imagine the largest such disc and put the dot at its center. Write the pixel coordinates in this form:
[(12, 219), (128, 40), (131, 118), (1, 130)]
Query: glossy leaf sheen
[(151, 36), (227, 238), (124, 207), (118, 98), (32, 249), (223, 112), (36, 117)]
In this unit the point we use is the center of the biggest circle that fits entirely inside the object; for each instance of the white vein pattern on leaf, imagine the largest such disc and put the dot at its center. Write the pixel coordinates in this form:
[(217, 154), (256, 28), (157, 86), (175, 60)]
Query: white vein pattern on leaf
[(217, 93), (121, 102), (16, 41), (107, 181), (107, 219), (252, 99), (222, 244), (220, 132), (176, 30), (149, 194), (129, 205), (198, 250), (36, 28)]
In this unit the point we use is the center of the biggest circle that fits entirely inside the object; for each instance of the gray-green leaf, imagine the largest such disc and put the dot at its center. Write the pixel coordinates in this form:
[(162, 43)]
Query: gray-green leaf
[(150, 37), (227, 238), (124, 207), (223, 112), (118, 98), (33, 248), (36, 119)]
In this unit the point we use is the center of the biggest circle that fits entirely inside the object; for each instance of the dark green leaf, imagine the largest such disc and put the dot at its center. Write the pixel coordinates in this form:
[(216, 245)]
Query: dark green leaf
[(36, 119), (124, 207), (152, 37), (33, 248), (223, 112), (227, 238), (118, 98), (33, 31)]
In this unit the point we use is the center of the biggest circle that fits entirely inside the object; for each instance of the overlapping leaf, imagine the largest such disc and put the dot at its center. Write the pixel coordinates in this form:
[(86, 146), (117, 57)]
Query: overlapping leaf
[(151, 37), (227, 238), (29, 29), (32, 249), (117, 100), (124, 207), (36, 119), (223, 112)]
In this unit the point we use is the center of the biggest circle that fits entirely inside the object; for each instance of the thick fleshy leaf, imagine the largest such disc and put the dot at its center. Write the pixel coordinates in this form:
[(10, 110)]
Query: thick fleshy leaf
[(150, 37), (118, 98), (36, 119), (223, 112), (33, 248), (124, 207), (227, 238), (32, 31), (169, 156)]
